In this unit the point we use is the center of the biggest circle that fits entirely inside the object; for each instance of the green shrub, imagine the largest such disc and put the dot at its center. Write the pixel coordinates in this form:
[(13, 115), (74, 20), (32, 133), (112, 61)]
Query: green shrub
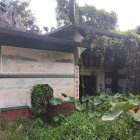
[(40, 97), (12, 135), (109, 107), (43, 133), (3, 123), (80, 126), (12, 130)]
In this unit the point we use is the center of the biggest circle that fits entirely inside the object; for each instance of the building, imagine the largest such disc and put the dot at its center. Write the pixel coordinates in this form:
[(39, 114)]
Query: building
[(28, 59)]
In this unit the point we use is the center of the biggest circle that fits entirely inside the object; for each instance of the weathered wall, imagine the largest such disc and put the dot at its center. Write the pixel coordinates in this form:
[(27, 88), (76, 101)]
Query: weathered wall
[(21, 60), (55, 69), (16, 91)]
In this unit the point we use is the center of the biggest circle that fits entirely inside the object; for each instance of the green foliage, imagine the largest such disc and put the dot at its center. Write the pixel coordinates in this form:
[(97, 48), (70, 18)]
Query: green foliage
[(119, 53), (3, 123), (134, 115), (58, 119), (20, 129), (109, 107), (86, 15), (80, 126), (80, 107), (90, 16), (21, 8), (123, 105), (12, 131), (62, 12), (85, 123), (111, 114), (40, 98), (137, 29), (116, 48), (56, 101), (12, 135)]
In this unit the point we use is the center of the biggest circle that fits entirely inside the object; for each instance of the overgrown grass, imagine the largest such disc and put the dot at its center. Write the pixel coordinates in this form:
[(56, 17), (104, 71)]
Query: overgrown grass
[(84, 124), (78, 126)]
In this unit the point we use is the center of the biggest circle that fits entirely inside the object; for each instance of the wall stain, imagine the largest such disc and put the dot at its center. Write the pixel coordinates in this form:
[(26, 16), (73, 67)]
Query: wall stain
[(64, 60)]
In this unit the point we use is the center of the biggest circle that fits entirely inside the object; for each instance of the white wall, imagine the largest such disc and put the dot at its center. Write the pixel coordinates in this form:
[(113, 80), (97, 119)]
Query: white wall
[(22, 61)]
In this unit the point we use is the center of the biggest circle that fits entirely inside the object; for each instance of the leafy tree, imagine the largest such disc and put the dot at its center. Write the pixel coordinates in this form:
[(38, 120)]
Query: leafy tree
[(87, 15), (124, 50), (90, 16), (62, 12), (137, 29), (20, 8)]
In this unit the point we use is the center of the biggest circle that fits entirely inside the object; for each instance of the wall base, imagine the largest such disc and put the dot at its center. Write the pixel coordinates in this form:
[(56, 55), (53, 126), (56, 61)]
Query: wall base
[(12, 115), (62, 109)]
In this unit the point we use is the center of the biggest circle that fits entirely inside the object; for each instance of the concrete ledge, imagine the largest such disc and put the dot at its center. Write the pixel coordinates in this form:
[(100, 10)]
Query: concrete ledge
[(14, 108), (36, 76)]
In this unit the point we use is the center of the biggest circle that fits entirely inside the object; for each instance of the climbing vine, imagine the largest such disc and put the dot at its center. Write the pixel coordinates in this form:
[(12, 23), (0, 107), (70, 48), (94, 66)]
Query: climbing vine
[(125, 49), (40, 98)]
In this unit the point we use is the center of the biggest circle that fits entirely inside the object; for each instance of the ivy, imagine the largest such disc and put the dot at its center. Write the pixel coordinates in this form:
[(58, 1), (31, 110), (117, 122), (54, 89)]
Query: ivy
[(126, 50), (40, 98)]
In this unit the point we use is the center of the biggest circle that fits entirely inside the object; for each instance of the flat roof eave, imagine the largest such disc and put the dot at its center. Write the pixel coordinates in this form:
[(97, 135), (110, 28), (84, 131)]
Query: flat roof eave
[(31, 40)]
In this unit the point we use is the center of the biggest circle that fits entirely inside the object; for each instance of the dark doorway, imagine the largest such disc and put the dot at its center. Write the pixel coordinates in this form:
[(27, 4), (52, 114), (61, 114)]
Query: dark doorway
[(116, 80), (111, 84), (89, 84)]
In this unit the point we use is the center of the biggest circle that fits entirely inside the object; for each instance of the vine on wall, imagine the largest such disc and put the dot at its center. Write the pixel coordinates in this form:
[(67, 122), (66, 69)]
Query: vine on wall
[(41, 95), (126, 49)]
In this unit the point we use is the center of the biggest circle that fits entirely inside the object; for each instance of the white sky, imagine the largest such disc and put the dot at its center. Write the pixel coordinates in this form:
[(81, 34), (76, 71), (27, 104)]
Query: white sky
[(128, 11)]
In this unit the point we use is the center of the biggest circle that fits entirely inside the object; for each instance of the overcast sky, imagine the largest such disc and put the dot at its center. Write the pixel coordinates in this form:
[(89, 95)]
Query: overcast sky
[(128, 11)]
